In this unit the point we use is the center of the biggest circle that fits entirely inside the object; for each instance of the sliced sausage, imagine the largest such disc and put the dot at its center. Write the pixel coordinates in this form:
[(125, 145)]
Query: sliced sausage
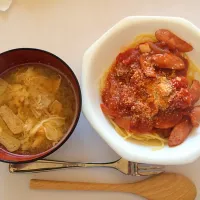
[(128, 57), (157, 49), (107, 111), (167, 120), (195, 116), (164, 132), (195, 91), (179, 133), (123, 123), (168, 60), (143, 125), (183, 72), (173, 41)]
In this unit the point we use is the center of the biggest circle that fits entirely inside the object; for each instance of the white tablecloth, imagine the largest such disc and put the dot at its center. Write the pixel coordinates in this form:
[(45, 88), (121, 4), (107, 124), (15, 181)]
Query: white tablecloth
[(67, 28)]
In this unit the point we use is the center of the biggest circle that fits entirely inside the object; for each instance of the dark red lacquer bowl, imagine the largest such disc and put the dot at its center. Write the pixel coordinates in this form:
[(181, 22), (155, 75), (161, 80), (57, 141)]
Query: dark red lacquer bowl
[(16, 57)]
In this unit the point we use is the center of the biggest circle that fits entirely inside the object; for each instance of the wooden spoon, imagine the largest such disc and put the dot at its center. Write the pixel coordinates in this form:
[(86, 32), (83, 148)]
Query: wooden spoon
[(166, 186)]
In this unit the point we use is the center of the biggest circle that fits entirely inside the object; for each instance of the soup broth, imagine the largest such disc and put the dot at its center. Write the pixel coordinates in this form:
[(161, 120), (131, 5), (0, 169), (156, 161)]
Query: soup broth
[(37, 107)]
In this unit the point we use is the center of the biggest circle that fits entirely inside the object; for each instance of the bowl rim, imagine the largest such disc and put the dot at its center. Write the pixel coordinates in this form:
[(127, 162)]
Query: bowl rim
[(79, 107), (87, 110)]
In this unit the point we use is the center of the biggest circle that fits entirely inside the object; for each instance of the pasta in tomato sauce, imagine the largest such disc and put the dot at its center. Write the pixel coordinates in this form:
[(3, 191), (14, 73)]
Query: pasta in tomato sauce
[(150, 92)]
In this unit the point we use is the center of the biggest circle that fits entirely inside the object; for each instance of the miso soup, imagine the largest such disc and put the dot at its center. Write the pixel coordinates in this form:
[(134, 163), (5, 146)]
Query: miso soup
[(37, 106)]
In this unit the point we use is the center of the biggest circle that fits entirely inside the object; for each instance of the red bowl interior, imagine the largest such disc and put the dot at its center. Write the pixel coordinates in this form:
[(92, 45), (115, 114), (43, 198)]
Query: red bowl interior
[(15, 57)]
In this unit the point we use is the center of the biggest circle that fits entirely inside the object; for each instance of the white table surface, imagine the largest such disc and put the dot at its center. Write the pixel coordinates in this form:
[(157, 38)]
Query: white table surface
[(67, 28)]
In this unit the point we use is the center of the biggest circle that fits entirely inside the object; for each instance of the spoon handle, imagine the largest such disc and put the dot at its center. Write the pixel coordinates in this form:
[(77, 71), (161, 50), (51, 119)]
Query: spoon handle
[(64, 185)]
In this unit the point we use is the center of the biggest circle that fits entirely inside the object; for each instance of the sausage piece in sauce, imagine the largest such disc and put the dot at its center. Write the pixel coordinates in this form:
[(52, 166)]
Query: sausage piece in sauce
[(195, 116), (195, 91), (173, 41), (179, 133), (169, 61)]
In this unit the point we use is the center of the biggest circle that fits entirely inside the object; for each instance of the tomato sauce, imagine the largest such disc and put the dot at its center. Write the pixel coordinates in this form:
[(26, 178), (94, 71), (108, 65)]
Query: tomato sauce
[(146, 89)]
